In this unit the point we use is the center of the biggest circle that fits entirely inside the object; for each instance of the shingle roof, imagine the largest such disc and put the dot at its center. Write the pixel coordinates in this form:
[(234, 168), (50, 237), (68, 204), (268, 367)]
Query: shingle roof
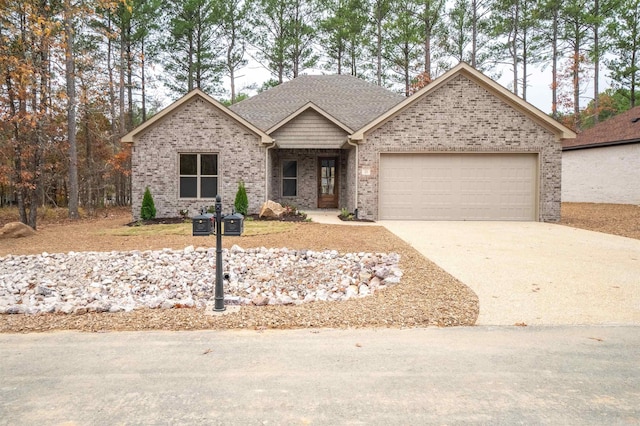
[(622, 128), (350, 100)]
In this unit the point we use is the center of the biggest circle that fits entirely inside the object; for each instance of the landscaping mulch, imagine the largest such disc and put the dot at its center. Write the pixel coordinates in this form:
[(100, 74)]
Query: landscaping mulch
[(427, 296), (616, 219)]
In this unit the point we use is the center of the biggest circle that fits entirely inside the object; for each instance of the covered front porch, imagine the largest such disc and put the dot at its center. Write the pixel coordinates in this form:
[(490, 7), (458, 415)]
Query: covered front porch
[(312, 178)]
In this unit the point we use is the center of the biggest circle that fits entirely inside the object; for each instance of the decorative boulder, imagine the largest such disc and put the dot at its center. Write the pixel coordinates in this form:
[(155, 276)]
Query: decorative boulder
[(271, 210), (16, 230)]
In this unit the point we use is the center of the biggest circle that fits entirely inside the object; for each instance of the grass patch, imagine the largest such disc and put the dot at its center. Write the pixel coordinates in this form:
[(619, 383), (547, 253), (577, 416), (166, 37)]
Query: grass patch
[(251, 228)]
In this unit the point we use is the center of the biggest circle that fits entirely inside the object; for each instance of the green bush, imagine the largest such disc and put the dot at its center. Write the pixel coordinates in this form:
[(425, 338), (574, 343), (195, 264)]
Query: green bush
[(241, 203), (148, 210)]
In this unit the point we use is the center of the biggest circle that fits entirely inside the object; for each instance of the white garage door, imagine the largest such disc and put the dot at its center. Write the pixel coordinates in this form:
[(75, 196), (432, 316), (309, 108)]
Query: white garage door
[(458, 186)]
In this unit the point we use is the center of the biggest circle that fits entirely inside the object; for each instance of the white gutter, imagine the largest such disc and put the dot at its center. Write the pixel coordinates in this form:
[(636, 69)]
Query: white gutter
[(267, 169), (356, 187)]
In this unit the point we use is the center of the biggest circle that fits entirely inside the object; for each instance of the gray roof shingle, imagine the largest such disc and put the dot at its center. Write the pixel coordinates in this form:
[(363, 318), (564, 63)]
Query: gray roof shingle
[(624, 127), (350, 100)]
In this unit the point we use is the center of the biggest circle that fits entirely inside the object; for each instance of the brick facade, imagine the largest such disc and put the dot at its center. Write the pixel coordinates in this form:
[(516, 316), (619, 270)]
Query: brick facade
[(196, 127), (462, 116)]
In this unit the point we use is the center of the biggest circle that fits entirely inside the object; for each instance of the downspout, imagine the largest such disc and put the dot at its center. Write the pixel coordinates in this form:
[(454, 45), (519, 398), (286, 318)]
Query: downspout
[(356, 186), (266, 170)]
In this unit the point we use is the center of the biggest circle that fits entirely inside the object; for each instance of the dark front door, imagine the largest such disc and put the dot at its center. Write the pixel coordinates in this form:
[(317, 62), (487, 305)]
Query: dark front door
[(328, 183)]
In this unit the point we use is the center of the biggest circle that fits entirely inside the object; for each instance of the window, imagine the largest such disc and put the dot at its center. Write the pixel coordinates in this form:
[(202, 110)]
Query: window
[(289, 178), (198, 175)]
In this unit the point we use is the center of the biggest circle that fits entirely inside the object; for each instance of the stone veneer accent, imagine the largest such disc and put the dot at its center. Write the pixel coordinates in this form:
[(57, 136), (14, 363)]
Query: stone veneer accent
[(462, 116), (196, 127)]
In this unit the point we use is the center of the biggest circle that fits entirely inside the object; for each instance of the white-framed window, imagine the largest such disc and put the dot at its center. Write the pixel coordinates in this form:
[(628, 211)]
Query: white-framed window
[(289, 178), (198, 175)]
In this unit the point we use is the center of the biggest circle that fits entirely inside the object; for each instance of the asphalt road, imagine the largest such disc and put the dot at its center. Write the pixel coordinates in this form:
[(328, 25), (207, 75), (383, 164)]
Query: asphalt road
[(477, 375)]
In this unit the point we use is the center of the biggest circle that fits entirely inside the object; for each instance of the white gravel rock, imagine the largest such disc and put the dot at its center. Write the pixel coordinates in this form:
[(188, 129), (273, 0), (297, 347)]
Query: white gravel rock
[(80, 282)]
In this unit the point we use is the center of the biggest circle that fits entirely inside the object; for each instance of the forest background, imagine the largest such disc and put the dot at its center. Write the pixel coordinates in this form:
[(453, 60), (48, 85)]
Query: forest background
[(76, 75)]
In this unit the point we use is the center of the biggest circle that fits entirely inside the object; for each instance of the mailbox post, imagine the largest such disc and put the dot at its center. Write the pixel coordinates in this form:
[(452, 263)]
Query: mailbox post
[(219, 295), (205, 224)]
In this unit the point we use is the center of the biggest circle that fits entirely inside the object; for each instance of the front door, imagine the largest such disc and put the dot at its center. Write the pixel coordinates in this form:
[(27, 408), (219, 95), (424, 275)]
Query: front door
[(328, 183)]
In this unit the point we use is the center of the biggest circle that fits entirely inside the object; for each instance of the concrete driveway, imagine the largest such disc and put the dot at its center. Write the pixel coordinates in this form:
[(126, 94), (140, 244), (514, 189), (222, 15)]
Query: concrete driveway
[(535, 273)]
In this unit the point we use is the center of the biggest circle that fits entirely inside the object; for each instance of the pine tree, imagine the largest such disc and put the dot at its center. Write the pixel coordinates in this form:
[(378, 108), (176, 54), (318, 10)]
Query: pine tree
[(148, 210), (241, 203)]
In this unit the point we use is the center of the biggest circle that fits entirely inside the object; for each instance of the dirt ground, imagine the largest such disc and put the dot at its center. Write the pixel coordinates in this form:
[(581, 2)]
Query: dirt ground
[(426, 296), (616, 219)]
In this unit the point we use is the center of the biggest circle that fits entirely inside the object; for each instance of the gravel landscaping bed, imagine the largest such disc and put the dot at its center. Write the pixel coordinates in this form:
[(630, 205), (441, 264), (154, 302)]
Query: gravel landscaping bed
[(426, 295), (164, 279)]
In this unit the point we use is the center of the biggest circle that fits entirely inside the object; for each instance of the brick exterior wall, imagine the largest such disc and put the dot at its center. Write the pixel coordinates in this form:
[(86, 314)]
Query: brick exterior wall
[(602, 175), (196, 127), (462, 116), (307, 159)]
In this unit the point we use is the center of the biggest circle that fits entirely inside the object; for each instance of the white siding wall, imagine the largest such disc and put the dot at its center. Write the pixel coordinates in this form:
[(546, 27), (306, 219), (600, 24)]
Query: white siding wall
[(310, 130), (602, 175)]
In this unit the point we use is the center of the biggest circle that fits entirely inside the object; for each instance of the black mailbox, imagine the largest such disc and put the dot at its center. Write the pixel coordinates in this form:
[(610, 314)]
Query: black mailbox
[(203, 224), (233, 224)]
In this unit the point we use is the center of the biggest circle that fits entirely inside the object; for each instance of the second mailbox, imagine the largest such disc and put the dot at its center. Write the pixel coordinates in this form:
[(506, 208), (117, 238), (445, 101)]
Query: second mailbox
[(233, 224)]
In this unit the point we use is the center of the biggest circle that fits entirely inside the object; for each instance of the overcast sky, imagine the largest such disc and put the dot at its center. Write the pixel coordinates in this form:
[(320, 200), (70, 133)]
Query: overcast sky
[(538, 92)]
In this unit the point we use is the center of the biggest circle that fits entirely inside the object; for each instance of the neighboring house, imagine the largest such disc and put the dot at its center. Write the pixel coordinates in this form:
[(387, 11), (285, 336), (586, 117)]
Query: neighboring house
[(462, 148), (602, 164)]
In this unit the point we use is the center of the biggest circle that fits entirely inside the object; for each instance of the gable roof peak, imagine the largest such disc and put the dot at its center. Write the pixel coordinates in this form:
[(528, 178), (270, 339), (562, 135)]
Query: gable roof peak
[(129, 137), (349, 100), (487, 83)]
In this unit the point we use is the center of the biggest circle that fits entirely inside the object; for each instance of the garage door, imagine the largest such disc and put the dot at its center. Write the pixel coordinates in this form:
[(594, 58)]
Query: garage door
[(458, 186)]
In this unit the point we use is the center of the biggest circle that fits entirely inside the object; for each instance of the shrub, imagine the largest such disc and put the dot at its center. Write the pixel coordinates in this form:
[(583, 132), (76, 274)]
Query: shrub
[(345, 214), (241, 203), (148, 210)]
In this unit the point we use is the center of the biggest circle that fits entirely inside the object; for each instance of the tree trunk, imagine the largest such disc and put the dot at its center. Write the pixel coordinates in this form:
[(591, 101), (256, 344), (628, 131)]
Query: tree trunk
[(474, 32), (379, 51), (143, 84), (554, 65), (71, 111), (633, 81), (129, 81), (407, 78), (427, 55), (190, 65), (524, 64), (596, 63), (123, 52), (230, 63), (576, 84), (515, 64)]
